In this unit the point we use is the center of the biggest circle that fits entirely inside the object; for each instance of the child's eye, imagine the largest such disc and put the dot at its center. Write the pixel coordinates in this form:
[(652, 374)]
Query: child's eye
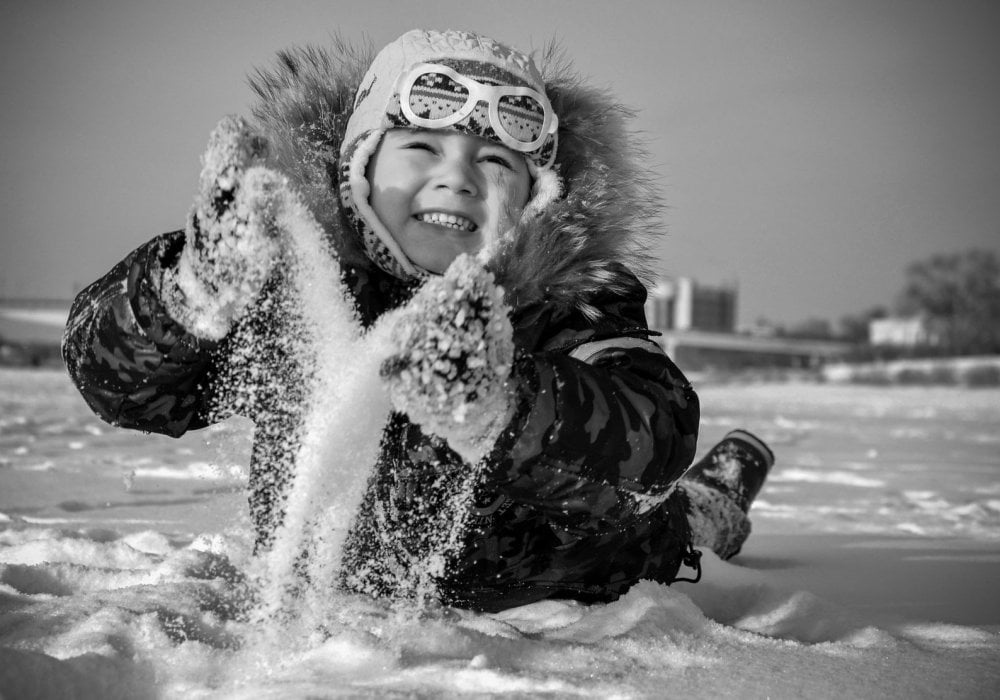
[(498, 160), (419, 146)]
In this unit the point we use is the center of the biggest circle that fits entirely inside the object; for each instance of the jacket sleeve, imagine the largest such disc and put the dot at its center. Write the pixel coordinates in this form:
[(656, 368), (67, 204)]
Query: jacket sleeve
[(606, 428), (134, 365)]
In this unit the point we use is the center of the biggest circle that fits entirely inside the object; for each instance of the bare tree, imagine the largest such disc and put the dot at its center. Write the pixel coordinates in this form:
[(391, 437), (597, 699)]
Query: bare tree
[(959, 296)]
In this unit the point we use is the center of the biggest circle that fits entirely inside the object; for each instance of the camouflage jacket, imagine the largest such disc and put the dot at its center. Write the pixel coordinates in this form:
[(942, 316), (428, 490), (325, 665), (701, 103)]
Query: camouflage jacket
[(577, 500)]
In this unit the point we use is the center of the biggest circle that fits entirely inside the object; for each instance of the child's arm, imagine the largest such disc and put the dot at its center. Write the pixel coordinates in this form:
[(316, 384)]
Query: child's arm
[(140, 342), (133, 363), (598, 439), (595, 423)]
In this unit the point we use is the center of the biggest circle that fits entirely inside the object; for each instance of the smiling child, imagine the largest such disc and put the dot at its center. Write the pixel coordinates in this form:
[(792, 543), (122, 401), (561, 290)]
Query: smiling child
[(449, 156)]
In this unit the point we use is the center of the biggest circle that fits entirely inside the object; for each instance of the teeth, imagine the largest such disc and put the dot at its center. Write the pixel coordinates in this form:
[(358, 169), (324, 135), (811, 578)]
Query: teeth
[(449, 220)]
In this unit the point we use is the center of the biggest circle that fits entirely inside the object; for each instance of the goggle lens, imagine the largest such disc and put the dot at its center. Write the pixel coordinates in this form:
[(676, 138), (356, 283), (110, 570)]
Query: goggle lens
[(523, 117), (437, 96)]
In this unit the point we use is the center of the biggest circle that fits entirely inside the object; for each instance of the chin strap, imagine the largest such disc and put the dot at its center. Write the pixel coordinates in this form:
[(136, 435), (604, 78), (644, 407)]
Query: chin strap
[(692, 560)]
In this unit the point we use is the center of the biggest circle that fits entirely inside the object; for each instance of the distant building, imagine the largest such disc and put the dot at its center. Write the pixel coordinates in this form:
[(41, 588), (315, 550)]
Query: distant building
[(901, 332), (697, 325), (682, 304)]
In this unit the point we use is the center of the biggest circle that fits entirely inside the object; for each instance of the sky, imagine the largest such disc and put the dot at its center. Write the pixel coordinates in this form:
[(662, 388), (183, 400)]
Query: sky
[(807, 150)]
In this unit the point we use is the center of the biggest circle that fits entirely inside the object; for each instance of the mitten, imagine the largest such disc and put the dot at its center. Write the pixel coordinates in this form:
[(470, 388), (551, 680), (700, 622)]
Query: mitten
[(453, 353), (232, 237)]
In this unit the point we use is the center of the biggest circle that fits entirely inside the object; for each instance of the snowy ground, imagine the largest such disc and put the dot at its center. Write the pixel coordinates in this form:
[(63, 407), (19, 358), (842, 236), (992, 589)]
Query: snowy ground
[(873, 570)]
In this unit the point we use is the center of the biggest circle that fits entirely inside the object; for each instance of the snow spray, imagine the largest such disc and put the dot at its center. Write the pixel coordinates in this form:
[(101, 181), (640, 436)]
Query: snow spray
[(346, 409), (305, 372), (309, 375)]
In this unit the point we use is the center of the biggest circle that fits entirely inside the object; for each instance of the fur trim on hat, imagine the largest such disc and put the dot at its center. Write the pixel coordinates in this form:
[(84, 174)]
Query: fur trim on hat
[(609, 213), (565, 254), (355, 193), (303, 103)]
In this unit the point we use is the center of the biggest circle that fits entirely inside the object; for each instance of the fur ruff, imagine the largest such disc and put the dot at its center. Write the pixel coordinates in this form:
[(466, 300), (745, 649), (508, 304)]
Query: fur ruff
[(608, 216)]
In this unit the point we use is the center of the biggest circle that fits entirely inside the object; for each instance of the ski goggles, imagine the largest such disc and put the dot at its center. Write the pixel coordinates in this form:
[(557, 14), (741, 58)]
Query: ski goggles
[(433, 96)]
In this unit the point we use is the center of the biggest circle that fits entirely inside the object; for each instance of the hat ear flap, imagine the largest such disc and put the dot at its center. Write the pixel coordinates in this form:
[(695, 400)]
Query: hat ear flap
[(355, 195), (546, 189)]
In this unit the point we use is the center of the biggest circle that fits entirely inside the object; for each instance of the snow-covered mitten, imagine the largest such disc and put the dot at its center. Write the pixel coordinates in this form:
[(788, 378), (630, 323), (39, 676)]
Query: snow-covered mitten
[(454, 351), (232, 236)]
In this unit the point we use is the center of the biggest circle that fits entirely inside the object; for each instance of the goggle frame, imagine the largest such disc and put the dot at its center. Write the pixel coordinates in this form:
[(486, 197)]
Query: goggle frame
[(478, 92)]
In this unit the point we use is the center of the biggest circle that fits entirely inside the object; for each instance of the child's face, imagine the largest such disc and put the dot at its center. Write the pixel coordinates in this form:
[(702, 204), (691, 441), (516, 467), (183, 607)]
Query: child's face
[(442, 193)]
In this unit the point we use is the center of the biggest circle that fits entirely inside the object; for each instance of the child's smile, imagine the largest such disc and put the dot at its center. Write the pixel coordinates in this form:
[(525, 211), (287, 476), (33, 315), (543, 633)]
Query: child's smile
[(454, 221), (443, 193)]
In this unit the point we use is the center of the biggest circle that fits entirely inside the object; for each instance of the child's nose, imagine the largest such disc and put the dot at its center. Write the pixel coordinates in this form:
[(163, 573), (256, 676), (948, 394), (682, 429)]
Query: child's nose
[(458, 176)]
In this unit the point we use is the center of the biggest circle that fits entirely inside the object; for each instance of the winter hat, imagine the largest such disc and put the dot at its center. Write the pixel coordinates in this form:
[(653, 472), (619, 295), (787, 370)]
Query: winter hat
[(445, 80)]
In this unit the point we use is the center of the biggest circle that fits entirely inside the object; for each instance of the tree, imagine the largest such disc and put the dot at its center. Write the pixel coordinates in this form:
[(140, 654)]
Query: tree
[(959, 296), (811, 329)]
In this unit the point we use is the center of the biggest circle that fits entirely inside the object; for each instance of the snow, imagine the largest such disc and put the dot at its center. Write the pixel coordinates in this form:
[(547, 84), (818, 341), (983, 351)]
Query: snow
[(44, 317), (878, 585), (342, 425)]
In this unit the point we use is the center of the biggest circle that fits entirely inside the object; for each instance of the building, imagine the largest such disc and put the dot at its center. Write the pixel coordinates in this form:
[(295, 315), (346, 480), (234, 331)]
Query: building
[(683, 304), (697, 326), (901, 332)]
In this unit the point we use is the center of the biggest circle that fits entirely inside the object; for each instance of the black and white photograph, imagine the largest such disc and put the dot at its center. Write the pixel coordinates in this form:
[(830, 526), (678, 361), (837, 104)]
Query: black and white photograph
[(552, 348)]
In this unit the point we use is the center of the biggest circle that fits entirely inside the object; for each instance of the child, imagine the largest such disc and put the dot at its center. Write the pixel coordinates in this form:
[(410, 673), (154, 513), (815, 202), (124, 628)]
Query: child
[(447, 145)]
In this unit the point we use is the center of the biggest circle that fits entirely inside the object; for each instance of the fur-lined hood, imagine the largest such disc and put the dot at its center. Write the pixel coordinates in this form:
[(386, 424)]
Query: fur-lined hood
[(608, 215)]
